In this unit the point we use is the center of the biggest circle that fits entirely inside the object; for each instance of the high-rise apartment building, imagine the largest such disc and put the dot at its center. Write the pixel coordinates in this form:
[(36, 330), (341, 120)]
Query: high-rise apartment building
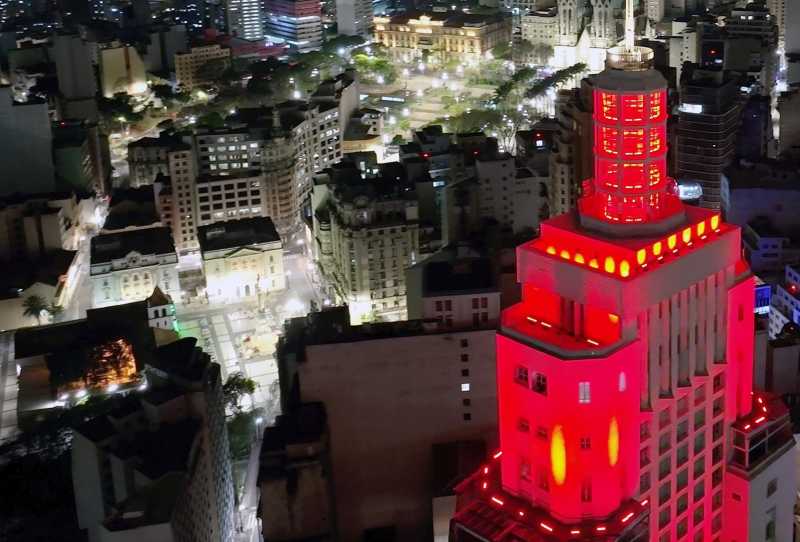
[(708, 123), (201, 64), (26, 153), (245, 19), (354, 17), (624, 375), (297, 23), (570, 159), (777, 8), (655, 10), (73, 60), (392, 390), (367, 233)]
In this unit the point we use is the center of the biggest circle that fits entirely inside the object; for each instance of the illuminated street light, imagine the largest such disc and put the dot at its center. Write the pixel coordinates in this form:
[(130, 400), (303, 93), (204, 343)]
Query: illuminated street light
[(296, 94)]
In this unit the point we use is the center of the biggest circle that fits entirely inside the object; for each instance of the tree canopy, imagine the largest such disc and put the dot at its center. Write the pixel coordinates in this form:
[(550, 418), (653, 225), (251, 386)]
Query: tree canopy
[(235, 387)]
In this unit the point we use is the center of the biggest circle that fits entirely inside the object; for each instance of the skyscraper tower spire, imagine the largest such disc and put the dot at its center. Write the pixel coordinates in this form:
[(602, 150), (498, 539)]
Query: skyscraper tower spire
[(625, 374), (630, 26)]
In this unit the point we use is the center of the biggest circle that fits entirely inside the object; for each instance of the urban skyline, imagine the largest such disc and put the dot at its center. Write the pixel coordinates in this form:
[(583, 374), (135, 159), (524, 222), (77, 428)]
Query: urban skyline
[(398, 271)]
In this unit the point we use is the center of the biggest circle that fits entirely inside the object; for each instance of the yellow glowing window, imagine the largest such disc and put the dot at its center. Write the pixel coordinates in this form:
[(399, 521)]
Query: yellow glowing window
[(641, 256), (656, 140), (633, 176), (633, 108), (657, 248), (624, 268), (613, 442), (558, 455), (672, 240), (655, 175), (656, 105), (609, 105), (633, 142), (609, 265), (608, 140), (701, 228)]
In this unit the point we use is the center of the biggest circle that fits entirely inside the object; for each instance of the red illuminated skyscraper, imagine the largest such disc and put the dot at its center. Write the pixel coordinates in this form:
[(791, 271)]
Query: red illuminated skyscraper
[(626, 410)]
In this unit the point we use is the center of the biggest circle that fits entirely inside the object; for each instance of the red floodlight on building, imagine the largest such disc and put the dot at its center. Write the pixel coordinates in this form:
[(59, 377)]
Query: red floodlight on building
[(625, 368)]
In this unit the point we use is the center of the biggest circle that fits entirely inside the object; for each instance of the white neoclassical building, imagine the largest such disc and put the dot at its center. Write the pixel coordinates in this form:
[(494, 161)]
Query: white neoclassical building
[(127, 265), (242, 259)]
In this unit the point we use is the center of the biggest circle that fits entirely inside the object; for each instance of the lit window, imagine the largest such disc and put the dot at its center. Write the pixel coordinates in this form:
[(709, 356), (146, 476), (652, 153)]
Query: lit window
[(656, 105), (584, 393), (656, 139), (465, 386), (608, 140), (609, 105), (655, 174), (633, 176), (607, 173), (633, 142), (623, 382), (633, 108)]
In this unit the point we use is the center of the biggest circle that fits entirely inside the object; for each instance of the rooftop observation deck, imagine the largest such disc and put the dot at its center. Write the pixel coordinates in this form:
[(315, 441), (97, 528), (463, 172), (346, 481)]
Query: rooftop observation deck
[(486, 512)]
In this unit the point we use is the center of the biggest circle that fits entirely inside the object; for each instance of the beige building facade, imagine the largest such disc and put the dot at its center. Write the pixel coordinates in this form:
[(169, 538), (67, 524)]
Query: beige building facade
[(448, 35), (193, 69)]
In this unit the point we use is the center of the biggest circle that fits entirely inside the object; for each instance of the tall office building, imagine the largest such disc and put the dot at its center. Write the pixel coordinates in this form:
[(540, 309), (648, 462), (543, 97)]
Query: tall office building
[(297, 23), (245, 19), (73, 60), (708, 123), (26, 153), (354, 17), (625, 373)]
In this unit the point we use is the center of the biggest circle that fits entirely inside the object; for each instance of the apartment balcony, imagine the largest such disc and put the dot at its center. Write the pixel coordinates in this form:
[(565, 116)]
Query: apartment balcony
[(761, 437)]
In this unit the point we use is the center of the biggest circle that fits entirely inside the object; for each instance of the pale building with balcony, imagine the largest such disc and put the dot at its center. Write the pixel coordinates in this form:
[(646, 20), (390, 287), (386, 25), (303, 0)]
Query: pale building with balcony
[(127, 265), (242, 259)]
